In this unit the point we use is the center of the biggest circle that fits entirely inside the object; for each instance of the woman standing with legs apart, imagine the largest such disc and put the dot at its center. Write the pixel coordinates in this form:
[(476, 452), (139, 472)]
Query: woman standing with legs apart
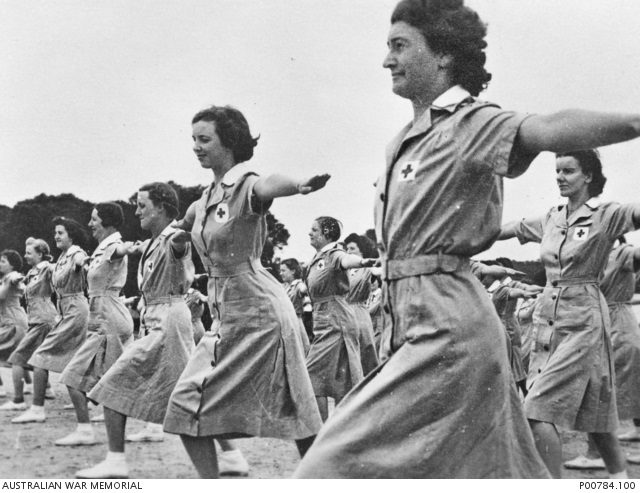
[(42, 316), (247, 376), (571, 369), (428, 411), (110, 326), (70, 332)]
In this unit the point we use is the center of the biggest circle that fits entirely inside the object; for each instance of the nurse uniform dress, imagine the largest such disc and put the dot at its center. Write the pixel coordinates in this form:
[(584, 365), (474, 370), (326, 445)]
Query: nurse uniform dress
[(70, 332), (618, 285), (13, 319), (110, 326), (41, 313), (247, 375), (571, 372), (445, 404), (333, 361), (297, 297), (140, 382), (359, 290)]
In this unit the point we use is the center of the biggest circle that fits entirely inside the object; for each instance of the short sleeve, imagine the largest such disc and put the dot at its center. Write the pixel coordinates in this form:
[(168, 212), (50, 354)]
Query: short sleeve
[(256, 206), (334, 259), (619, 219), (530, 230), (491, 140)]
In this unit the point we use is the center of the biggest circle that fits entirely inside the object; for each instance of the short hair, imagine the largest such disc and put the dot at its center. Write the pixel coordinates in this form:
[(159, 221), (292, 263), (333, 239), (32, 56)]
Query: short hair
[(163, 195), (365, 245), (452, 29), (589, 160), (232, 129), (74, 229), (111, 214), (39, 246), (13, 257), (294, 266), (329, 227)]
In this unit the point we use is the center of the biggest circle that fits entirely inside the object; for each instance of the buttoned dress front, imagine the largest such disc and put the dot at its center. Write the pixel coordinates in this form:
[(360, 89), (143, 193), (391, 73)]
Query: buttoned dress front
[(359, 290), (70, 332), (445, 404), (527, 320), (618, 285), (333, 361), (41, 313), (571, 373), (13, 319), (297, 296), (247, 375), (141, 380), (110, 326)]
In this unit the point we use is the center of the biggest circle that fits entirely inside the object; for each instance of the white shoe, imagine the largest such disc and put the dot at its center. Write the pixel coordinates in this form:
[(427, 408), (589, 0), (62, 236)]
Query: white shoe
[(105, 470), (77, 438), (13, 406), (28, 389), (582, 462), (630, 436), (49, 394), (147, 435), (30, 416), (3, 393), (98, 419), (232, 463)]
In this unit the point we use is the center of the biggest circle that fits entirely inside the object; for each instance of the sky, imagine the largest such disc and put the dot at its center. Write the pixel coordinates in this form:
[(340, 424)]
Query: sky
[(96, 97)]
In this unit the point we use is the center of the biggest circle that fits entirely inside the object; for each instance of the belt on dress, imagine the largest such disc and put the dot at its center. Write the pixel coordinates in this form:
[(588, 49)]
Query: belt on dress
[(575, 281), (423, 265), (160, 300), (70, 295), (232, 270), (109, 292)]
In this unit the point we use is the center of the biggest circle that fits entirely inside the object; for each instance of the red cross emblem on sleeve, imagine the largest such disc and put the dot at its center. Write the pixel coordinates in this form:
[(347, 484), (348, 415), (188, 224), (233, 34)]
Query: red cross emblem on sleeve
[(222, 213), (408, 171), (581, 233)]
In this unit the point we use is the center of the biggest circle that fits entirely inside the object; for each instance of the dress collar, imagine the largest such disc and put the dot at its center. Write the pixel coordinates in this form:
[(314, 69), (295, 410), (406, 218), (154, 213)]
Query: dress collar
[(231, 177), (451, 98)]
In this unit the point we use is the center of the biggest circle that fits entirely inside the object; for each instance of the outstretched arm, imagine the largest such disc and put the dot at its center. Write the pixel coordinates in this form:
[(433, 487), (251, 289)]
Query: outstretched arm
[(355, 262), (571, 130), (273, 186), (508, 231)]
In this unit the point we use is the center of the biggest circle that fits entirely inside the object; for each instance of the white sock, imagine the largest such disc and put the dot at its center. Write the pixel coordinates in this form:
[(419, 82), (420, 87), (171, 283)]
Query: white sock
[(85, 428), (37, 409), (154, 426), (116, 457), (618, 475)]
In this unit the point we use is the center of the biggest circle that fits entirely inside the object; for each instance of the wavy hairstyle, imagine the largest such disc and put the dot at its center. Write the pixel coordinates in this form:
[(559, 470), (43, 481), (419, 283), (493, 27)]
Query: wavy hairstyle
[(590, 163), (163, 195), (39, 246), (74, 229), (452, 29)]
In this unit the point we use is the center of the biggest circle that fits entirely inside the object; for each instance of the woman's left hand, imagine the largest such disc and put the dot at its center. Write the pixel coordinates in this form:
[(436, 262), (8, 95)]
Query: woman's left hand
[(312, 184), (369, 262)]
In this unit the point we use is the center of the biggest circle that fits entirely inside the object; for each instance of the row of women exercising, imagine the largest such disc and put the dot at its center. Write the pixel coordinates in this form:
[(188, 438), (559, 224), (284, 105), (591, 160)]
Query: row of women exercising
[(445, 403)]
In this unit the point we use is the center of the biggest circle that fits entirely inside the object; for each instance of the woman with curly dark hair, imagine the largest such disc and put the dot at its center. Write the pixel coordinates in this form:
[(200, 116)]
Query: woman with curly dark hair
[(58, 348), (445, 404)]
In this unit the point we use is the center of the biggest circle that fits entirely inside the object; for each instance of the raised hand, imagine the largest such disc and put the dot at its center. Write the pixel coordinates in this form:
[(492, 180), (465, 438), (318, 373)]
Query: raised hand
[(312, 184)]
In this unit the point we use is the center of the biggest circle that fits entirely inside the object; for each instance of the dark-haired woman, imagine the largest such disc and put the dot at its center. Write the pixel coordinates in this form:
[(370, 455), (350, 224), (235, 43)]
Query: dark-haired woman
[(70, 332), (427, 412), (41, 314), (571, 370), (139, 383), (247, 376), (333, 361), (291, 274), (13, 319), (359, 290), (110, 326)]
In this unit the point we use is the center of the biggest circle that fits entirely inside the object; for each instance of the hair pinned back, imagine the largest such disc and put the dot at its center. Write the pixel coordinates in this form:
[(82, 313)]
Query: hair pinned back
[(590, 163), (163, 195), (330, 228), (110, 214), (74, 229), (14, 259), (39, 246)]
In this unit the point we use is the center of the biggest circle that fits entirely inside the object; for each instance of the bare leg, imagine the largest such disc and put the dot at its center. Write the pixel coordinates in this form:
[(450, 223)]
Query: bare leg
[(549, 445), (202, 452), (40, 378), (17, 374), (115, 423), (79, 400), (323, 407), (609, 449)]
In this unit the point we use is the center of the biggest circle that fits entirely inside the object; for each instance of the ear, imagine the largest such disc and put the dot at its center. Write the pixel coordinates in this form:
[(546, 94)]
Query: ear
[(444, 60), (589, 177)]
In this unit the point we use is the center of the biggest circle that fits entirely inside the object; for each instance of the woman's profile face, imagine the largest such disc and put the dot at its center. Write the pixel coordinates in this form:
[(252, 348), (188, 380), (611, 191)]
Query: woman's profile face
[(62, 238), (207, 145), (5, 266), (31, 256), (286, 273), (147, 212), (98, 231), (572, 182), (353, 249), (316, 238)]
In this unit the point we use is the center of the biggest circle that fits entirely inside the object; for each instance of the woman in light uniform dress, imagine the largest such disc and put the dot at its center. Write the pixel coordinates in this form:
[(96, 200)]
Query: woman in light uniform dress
[(297, 291), (110, 326), (60, 345)]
